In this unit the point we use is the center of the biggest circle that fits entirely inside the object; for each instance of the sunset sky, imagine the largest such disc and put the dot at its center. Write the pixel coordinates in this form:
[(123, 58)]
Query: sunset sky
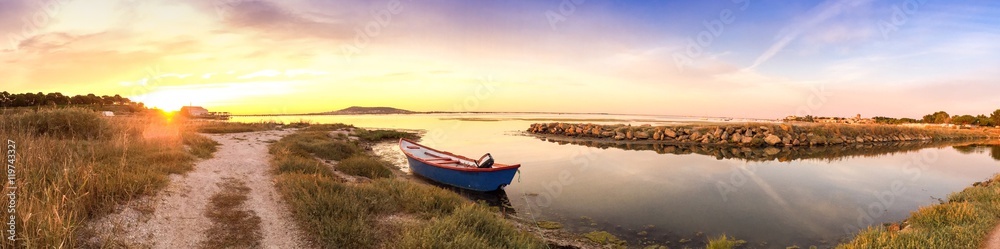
[(741, 58)]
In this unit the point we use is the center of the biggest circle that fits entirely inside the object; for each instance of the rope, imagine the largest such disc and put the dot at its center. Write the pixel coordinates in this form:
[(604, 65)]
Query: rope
[(530, 213)]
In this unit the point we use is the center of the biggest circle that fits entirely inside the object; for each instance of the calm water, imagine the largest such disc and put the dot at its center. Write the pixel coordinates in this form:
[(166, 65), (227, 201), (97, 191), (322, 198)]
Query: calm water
[(650, 197)]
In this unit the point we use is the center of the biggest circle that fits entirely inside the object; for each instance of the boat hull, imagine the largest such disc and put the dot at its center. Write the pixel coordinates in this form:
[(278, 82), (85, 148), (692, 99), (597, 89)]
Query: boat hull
[(477, 181)]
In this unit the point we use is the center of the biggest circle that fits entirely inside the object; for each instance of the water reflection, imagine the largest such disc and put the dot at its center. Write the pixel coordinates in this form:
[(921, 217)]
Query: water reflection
[(785, 154), (993, 147)]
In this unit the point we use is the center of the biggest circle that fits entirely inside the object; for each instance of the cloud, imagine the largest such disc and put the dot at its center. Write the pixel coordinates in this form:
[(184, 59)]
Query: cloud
[(812, 19), (274, 19)]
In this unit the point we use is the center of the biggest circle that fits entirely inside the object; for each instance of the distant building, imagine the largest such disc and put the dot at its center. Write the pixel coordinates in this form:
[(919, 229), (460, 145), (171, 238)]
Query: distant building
[(202, 113), (832, 120), (194, 111), (108, 113)]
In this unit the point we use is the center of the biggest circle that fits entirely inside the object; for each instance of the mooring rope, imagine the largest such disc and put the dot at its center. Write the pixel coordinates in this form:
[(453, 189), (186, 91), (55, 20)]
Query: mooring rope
[(530, 213)]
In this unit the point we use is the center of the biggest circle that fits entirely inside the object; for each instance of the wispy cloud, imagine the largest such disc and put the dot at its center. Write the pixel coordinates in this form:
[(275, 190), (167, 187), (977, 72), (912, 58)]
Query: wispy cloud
[(813, 19)]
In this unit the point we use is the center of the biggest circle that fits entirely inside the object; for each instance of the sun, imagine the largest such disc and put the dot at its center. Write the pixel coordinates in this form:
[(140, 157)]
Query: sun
[(166, 106)]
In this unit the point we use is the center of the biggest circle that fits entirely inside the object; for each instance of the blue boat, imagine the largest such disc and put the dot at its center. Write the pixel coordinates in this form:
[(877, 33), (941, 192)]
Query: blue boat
[(459, 171)]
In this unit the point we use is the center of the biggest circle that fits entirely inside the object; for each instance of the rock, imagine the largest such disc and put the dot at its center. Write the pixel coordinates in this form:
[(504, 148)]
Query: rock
[(749, 133), (737, 138), (717, 133), (642, 135), (608, 134), (796, 142), (859, 139), (619, 137), (669, 133), (696, 135), (772, 139), (836, 140), (596, 131), (746, 140), (658, 135), (629, 134), (785, 127)]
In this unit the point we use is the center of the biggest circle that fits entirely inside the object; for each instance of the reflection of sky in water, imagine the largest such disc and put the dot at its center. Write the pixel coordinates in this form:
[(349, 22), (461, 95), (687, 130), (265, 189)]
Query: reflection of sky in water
[(800, 202)]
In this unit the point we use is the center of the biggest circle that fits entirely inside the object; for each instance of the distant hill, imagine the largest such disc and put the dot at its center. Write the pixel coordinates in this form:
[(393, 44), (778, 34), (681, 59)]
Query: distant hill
[(368, 110)]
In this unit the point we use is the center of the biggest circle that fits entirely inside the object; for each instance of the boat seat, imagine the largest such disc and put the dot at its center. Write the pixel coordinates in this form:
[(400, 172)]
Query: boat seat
[(413, 147)]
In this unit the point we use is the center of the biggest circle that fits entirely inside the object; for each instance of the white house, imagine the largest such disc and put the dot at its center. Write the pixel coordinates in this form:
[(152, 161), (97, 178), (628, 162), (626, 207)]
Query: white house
[(194, 111)]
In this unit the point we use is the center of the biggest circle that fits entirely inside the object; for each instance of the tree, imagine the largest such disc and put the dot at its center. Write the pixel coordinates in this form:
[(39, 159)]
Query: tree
[(4, 99), (995, 117), (983, 120), (963, 120), (937, 118)]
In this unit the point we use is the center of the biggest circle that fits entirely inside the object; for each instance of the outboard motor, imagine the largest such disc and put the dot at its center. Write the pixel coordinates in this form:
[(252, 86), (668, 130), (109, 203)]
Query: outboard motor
[(485, 162)]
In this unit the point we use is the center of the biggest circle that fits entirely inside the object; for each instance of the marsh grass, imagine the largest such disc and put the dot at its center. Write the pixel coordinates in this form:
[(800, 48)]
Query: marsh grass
[(318, 143), (337, 214), (74, 165), (366, 166), (724, 242), (383, 135), (328, 127), (606, 239), (963, 222), (217, 127)]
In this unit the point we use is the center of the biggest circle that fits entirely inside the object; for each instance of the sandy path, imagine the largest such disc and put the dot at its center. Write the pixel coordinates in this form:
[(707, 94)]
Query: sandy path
[(993, 239), (178, 213)]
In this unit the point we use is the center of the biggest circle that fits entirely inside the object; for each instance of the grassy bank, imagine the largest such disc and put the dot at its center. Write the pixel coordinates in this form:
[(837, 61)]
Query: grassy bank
[(73, 165), (384, 212), (963, 222)]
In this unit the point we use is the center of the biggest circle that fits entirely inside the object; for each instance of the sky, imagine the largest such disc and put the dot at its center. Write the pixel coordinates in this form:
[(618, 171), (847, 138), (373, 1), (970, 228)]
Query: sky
[(732, 58)]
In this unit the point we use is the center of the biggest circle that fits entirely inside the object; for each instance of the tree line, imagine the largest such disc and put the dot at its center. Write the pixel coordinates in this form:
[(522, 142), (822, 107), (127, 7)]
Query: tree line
[(8, 100), (943, 117)]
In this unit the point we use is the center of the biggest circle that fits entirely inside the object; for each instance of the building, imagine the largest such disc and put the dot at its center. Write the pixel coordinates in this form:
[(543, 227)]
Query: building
[(194, 111)]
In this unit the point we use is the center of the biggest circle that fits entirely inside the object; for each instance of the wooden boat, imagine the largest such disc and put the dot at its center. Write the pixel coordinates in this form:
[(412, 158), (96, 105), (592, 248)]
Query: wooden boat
[(459, 171)]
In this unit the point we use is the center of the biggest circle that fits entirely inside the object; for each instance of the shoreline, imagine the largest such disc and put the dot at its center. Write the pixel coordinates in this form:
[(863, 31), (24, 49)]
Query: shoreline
[(969, 219)]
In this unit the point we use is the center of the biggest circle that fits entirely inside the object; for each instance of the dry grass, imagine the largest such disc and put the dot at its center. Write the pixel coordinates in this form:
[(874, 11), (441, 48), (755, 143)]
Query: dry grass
[(232, 225), (73, 165), (963, 222)]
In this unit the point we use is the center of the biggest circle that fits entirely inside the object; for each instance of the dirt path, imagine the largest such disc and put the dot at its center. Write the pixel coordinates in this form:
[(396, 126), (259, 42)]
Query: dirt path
[(175, 218)]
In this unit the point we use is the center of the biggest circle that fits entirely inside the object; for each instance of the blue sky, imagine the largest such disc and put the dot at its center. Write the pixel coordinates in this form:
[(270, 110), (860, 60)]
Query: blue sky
[(763, 59)]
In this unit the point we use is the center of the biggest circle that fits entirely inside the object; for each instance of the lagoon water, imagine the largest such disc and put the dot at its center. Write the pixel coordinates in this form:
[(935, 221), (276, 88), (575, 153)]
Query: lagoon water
[(652, 198)]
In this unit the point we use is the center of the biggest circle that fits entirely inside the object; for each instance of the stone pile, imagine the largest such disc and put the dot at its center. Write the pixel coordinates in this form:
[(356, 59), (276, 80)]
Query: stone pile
[(752, 135)]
